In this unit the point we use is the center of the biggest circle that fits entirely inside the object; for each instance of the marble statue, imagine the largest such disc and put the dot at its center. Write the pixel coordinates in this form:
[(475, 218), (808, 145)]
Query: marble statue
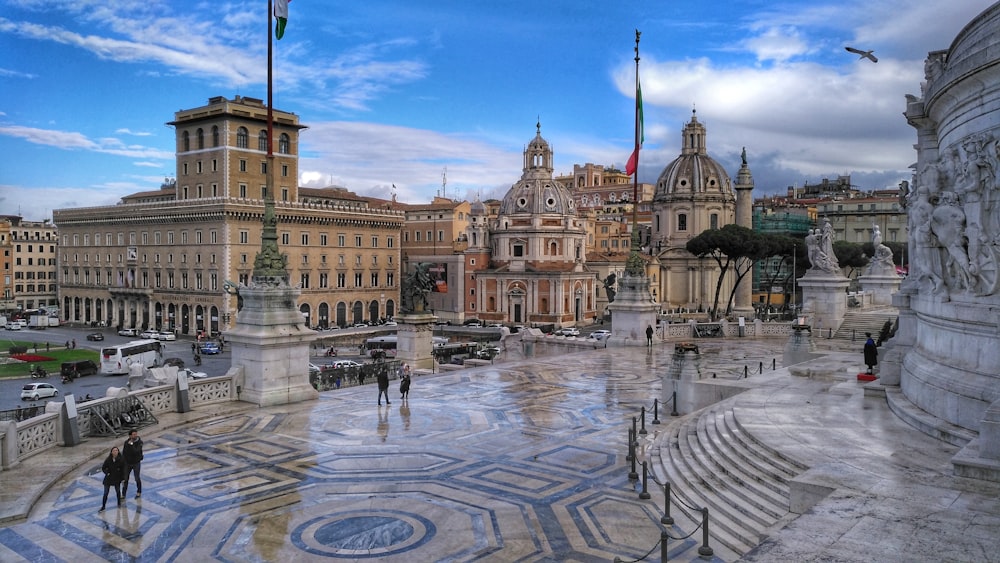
[(819, 244), (881, 263)]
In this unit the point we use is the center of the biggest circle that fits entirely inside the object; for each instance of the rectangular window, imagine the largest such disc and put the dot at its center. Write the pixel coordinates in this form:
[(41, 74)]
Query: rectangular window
[(243, 165), (357, 279), (243, 191), (197, 237), (682, 222), (213, 236), (243, 258), (324, 281), (244, 237), (304, 280), (170, 237), (518, 250), (430, 236), (374, 279), (285, 238), (284, 194), (215, 165), (197, 167), (390, 279), (322, 239), (357, 241), (340, 240), (374, 242), (305, 239), (417, 233), (184, 237), (263, 167), (284, 170), (341, 280), (389, 242)]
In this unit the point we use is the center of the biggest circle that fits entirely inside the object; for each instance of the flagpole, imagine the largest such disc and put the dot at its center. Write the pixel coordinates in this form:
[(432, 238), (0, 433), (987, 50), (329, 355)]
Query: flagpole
[(635, 266), (270, 104)]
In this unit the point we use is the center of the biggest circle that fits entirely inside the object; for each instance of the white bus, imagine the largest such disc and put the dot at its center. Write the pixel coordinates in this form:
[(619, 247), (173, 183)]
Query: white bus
[(388, 344), (115, 360)]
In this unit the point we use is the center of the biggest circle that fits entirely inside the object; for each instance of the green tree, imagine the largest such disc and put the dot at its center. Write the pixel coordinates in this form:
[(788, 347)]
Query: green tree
[(779, 260), (732, 246), (851, 255)]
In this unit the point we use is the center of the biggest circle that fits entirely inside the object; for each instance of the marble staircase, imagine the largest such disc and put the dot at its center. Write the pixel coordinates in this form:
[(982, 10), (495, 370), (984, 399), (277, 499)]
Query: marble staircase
[(711, 461), (857, 323)]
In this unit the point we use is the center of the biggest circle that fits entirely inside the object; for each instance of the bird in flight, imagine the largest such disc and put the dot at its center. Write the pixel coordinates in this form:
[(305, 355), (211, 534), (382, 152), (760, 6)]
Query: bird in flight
[(863, 54)]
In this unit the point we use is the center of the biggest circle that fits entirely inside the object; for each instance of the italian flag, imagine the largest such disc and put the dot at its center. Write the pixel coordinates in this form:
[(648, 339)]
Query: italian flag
[(280, 14), (633, 161)]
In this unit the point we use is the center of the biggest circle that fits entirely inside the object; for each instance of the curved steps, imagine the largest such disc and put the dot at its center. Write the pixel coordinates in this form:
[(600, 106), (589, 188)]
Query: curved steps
[(711, 461)]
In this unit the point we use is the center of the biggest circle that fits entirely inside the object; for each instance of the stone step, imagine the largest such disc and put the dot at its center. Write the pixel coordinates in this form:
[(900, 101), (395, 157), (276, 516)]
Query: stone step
[(765, 509), (924, 421), (768, 483), (779, 473), (789, 465), (687, 492), (727, 511)]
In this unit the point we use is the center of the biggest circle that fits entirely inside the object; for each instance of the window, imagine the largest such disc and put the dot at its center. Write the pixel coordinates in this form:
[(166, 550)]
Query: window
[(340, 240), (305, 259), (341, 280), (213, 236), (242, 139), (284, 194), (440, 236), (263, 167), (518, 249), (340, 260), (324, 281), (305, 239), (243, 165), (283, 143), (390, 279), (322, 240), (406, 236), (243, 191), (200, 136), (389, 242), (285, 238), (713, 221), (244, 237), (243, 258), (262, 140), (374, 242), (197, 237), (417, 233), (184, 169), (215, 135), (197, 167), (430, 236), (682, 222), (374, 279), (304, 281), (170, 237), (284, 170), (184, 237), (357, 241), (357, 279), (357, 260), (185, 141), (215, 165), (374, 260)]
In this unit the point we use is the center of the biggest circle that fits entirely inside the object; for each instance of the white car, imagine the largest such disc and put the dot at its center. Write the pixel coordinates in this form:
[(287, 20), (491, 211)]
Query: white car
[(192, 374), (13, 325), (128, 332), (568, 331), (165, 335), (35, 391), (600, 334), (149, 334)]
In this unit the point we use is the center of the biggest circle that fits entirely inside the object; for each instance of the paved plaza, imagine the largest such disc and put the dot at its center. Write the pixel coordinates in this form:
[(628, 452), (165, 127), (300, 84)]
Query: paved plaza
[(519, 461)]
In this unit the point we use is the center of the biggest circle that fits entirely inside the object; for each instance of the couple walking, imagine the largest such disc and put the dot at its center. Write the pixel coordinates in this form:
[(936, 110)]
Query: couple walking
[(383, 384), (119, 465)]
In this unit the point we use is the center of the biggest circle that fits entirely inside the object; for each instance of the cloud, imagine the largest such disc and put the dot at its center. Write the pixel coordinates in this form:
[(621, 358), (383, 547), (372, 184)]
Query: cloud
[(6, 72), (71, 140), (127, 131)]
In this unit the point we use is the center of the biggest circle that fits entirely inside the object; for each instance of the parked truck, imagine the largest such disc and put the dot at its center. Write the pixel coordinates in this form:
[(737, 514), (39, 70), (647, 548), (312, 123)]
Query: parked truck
[(38, 322)]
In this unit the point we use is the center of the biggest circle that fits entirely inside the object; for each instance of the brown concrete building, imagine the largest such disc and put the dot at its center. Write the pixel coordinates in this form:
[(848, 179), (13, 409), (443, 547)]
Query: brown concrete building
[(28, 280), (160, 258)]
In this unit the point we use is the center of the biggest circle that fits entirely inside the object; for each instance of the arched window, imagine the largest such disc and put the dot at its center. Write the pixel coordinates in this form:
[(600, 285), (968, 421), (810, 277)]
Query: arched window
[(283, 143), (185, 141), (242, 138), (682, 222), (713, 221), (262, 140), (215, 135), (200, 134)]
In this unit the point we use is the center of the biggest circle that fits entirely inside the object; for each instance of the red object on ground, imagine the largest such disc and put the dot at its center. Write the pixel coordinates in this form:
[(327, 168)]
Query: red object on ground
[(866, 377), (32, 358)]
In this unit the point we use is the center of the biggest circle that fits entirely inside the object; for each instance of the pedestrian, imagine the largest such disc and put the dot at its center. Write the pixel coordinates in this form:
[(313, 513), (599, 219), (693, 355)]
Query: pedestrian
[(404, 386), (46, 346), (114, 472), (649, 335), (871, 353), (383, 385), (194, 348), (67, 344), (74, 344), (132, 452)]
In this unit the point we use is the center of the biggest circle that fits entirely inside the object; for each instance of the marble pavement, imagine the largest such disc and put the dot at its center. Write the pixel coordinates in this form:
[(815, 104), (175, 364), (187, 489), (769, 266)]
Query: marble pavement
[(519, 461)]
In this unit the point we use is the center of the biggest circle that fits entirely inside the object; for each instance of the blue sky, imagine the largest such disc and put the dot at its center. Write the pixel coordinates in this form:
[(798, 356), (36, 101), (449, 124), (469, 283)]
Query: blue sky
[(394, 92)]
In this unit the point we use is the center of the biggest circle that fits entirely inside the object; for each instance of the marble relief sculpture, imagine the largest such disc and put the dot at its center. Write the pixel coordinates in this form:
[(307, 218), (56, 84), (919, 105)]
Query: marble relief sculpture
[(951, 212)]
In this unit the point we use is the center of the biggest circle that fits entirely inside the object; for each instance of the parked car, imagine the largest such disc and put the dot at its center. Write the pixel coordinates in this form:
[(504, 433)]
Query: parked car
[(568, 331), (78, 368), (192, 374), (210, 348), (600, 334), (346, 364), (149, 334), (314, 369), (165, 335), (13, 325), (473, 323), (95, 337), (35, 391), (128, 332)]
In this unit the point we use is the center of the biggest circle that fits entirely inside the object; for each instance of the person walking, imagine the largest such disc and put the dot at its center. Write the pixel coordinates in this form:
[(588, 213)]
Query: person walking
[(114, 472), (383, 385), (132, 452), (404, 385), (649, 335), (871, 353)]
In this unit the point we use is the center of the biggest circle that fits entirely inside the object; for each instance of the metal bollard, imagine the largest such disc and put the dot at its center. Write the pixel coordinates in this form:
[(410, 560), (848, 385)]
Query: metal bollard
[(666, 519), (705, 550), (760, 368), (774, 364), (674, 402), (645, 478), (642, 416), (632, 475), (656, 411), (746, 370), (631, 447), (664, 554), (635, 434)]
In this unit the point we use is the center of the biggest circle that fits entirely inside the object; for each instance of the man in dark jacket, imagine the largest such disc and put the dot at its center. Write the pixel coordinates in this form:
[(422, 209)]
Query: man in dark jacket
[(871, 353), (132, 452), (383, 384)]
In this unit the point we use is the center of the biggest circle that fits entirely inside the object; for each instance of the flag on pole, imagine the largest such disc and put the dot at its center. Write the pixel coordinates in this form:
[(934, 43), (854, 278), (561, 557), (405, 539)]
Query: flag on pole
[(280, 14), (633, 160)]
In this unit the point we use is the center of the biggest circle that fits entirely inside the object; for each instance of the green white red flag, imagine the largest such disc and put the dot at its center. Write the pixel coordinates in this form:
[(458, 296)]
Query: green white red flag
[(281, 15), (633, 161)]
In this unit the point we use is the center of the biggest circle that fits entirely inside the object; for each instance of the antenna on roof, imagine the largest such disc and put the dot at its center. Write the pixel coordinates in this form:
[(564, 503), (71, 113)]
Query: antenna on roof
[(444, 182)]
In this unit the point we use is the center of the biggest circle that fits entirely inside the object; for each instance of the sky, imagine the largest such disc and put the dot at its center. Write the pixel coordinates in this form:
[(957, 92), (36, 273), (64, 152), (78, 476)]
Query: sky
[(440, 97)]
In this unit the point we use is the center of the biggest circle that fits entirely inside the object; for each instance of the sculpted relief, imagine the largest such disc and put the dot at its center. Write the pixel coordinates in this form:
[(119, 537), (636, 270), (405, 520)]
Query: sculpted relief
[(954, 218)]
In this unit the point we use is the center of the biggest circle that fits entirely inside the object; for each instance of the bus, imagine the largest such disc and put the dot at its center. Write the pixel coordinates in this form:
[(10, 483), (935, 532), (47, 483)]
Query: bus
[(387, 344), (116, 360)]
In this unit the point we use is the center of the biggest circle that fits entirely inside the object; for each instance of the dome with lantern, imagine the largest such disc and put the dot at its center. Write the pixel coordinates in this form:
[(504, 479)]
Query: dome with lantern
[(694, 174), (537, 193)]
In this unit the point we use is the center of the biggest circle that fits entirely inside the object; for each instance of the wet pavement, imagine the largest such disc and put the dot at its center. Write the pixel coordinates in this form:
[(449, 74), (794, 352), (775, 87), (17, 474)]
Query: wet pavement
[(519, 461)]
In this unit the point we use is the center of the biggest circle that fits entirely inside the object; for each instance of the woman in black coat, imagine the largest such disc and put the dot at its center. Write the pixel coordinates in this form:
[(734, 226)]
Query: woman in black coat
[(871, 353), (114, 473)]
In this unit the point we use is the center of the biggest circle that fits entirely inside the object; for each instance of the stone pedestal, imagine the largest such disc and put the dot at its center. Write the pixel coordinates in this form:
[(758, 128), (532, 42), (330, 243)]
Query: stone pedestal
[(890, 362), (414, 339), (271, 342), (882, 287), (632, 311), (824, 299)]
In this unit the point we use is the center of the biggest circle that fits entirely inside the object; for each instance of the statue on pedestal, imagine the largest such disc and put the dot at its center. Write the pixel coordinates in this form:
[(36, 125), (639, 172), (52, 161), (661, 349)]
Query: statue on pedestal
[(414, 289)]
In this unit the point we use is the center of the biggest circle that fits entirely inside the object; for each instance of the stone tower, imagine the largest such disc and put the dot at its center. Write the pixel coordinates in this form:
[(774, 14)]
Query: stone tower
[(744, 218)]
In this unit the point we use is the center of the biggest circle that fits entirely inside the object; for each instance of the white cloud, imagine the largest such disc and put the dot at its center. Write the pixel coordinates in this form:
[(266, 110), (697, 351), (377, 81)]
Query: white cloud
[(71, 140), (127, 131)]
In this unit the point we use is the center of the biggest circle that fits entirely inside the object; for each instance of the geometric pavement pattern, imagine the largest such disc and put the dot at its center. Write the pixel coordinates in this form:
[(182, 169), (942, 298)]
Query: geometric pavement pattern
[(521, 461)]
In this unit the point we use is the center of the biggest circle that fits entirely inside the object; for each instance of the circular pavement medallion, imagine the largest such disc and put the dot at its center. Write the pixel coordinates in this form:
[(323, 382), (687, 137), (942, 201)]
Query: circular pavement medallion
[(360, 535)]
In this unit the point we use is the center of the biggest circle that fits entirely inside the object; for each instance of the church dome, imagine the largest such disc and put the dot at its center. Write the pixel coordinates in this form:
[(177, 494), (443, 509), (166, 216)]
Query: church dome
[(537, 193), (693, 173)]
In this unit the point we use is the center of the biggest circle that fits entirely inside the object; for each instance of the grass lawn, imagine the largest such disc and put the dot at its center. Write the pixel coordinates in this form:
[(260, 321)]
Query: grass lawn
[(59, 354)]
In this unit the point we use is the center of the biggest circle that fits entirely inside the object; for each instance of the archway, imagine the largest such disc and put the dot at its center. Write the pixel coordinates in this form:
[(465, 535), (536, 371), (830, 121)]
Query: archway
[(185, 319), (213, 317), (358, 313), (373, 311), (341, 314), (324, 315), (199, 319), (171, 317), (158, 315), (305, 310), (390, 308)]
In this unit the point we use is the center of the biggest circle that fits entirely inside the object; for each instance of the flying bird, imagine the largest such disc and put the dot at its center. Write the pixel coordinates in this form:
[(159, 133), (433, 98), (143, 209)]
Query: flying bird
[(863, 54)]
